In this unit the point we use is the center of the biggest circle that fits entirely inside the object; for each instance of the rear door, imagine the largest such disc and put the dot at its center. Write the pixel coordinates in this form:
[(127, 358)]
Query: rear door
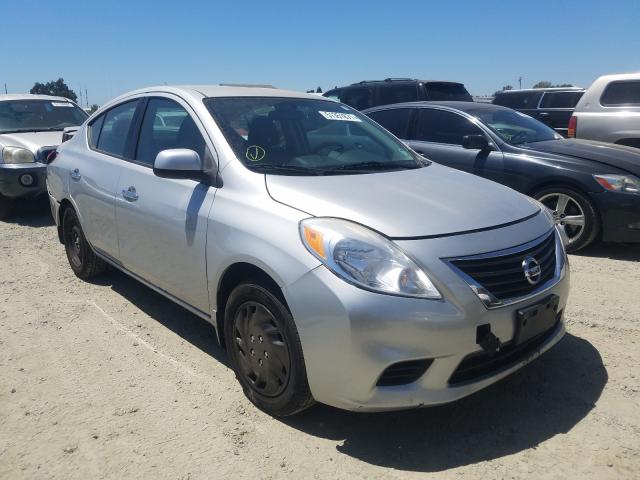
[(522, 101), (95, 173), (556, 109), (162, 223), (438, 136), (396, 120), (396, 92)]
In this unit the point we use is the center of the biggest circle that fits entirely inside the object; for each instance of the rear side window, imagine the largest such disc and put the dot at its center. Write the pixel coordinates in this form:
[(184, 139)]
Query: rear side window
[(358, 98), (114, 129), (94, 131), (388, 94), (518, 100), (560, 99), (167, 125), (395, 120), (440, 126), (447, 91), (621, 93)]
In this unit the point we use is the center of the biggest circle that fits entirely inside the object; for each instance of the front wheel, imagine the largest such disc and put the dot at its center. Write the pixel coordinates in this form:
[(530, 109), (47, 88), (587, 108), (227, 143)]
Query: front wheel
[(84, 262), (265, 351), (574, 214)]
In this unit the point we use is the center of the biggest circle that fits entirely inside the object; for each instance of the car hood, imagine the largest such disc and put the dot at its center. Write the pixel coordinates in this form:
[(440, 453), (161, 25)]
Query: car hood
[(430, 201), (619, 156), (31, 140)]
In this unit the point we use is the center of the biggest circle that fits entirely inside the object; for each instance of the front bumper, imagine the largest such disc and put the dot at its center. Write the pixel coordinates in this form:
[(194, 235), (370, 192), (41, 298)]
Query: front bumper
[(351, 336), (12, 184), (620, 214)]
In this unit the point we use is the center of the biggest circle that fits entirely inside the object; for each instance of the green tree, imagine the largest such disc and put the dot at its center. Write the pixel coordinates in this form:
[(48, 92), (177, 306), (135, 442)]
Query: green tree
[(545, 84), (506, 87), (57, 88), (93, 108)]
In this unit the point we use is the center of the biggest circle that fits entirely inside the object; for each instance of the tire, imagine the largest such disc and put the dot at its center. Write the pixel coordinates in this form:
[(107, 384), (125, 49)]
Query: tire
[(83, 261), (5, 207), (265, 351), (577, 205)]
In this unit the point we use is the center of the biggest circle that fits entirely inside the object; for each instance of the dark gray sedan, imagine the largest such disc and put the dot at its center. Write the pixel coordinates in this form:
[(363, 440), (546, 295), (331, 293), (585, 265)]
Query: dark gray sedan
[(593, 188)]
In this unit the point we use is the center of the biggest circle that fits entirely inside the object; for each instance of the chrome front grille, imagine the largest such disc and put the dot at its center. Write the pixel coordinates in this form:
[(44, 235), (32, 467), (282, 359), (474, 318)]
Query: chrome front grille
[(499, 278)]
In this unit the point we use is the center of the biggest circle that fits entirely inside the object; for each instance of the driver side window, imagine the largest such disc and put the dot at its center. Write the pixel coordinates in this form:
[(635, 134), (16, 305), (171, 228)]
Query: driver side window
[(440, 126)]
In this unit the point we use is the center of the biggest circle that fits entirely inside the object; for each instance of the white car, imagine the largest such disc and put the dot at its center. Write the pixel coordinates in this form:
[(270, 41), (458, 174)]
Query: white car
[(31, 128), (609, 111)]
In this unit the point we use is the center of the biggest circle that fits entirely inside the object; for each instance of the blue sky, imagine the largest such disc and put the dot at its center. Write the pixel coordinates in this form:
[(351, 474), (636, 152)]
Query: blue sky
[(114, 46)]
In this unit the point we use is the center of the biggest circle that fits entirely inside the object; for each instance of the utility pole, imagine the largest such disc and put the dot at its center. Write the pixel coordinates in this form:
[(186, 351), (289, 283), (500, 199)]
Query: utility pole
[(5, 88), (520, 82), (86, 97)]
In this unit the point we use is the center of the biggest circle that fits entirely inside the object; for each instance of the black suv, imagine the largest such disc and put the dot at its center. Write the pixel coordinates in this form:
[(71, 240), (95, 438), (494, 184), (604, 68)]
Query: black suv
[(371, 93), (552, 106)]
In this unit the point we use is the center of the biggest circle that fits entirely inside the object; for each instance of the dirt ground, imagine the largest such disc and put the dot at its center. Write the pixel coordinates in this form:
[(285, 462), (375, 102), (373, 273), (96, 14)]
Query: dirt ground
[(110, 380)]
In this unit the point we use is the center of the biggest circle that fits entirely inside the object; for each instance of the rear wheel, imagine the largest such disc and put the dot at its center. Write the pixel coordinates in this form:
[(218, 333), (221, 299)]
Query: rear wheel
[(5, 207), (265, 351), (84, 262), (574, 214)]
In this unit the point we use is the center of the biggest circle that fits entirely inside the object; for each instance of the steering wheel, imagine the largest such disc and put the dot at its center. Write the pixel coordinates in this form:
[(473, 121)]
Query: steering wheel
[(328, 147), (520, 135)]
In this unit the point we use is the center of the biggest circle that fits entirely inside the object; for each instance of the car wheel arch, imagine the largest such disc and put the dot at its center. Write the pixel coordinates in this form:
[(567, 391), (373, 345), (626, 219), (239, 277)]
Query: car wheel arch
[(237, 274), (64, 205)]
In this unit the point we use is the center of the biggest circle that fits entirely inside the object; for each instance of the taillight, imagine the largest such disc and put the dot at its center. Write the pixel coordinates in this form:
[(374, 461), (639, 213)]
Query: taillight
[(573, 124), (51, 156)]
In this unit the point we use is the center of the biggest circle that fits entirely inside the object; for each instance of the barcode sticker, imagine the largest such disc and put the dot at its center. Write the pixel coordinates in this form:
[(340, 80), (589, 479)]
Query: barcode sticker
[(345, 117)]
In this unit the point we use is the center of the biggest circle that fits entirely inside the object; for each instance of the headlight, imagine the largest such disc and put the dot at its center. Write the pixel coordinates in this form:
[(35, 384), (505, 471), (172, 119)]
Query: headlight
[(619, 183), (17, 155), (365, 258)]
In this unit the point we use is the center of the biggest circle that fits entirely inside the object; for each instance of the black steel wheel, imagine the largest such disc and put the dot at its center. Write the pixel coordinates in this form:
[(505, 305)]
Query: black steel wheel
[(83, 261), (265, 351)]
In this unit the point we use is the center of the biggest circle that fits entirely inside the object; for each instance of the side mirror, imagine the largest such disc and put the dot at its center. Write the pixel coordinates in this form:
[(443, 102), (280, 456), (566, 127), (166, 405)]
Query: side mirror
[(68, 133), (179, 163), (476, 142)]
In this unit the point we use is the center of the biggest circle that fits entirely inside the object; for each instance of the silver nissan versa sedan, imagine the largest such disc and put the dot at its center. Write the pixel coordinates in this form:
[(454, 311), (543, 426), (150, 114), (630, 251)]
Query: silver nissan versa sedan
[(335, 263)]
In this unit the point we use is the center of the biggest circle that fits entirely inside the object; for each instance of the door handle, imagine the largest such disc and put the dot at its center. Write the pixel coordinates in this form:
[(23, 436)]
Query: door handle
[(130, 194), (75, 174), (543, 114)]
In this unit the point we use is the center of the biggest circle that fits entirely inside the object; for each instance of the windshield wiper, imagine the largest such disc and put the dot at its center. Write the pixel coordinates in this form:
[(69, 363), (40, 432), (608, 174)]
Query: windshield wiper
[(32, 129), (373, 166), (290, 169)]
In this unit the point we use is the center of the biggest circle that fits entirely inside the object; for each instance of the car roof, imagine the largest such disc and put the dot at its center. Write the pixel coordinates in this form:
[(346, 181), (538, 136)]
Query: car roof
[(619, 76), (29, 96), (454, 105), (222, 91), (388, 81), (550, 89)]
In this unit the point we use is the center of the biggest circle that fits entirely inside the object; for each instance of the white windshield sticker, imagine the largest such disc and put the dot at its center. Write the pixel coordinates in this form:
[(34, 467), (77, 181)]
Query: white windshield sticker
[(62, 104), (346, 117)]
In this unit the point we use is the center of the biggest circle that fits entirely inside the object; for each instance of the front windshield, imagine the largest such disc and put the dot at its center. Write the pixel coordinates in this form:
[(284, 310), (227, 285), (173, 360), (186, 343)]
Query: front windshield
[(39, 115), (294, 136), (514, 127)]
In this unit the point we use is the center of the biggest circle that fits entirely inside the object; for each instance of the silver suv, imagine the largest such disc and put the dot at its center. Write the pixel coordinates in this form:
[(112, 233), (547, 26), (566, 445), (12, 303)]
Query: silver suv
[(335, 263), (609, 111), (30, 130)]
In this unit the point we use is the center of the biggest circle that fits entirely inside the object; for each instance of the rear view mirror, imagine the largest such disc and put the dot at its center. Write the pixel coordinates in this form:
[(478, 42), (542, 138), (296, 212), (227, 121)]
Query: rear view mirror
[(476, 142), (178, 163)]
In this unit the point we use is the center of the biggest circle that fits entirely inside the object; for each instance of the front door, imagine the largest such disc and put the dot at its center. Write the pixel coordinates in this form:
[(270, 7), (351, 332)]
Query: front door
[(162, 223), (438, 136)]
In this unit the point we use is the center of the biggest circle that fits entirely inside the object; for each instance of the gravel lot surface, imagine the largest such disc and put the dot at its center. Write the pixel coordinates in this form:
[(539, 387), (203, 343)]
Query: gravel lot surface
[(110, 380)]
